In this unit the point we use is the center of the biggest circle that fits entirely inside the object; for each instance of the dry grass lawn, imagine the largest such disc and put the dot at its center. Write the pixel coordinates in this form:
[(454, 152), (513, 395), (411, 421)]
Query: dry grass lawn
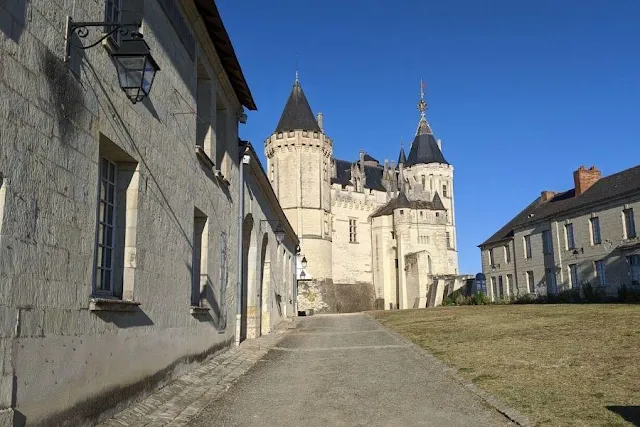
[(561, 365)]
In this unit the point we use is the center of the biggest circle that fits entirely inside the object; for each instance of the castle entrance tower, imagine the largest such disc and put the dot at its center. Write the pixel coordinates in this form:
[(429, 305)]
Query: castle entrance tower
[(299, 167)]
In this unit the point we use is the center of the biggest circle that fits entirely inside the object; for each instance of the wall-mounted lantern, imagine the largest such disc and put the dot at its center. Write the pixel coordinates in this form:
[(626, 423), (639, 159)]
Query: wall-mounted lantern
[(135, 66), (278, 230), (303, 263)]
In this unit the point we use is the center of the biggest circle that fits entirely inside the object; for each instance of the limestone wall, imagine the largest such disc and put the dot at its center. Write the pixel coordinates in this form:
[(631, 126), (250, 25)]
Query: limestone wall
[(61, 359)]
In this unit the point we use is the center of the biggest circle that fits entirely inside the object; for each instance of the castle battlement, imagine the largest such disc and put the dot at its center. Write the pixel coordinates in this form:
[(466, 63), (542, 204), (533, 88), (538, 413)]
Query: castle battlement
[(298, 139)]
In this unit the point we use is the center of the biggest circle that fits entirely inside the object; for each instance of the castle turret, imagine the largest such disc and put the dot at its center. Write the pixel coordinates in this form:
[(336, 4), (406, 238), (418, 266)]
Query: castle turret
[(430, 175), (299, 162)]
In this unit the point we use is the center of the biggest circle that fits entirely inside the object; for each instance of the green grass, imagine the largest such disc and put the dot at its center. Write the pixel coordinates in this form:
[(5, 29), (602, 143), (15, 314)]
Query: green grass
[(561, 365)]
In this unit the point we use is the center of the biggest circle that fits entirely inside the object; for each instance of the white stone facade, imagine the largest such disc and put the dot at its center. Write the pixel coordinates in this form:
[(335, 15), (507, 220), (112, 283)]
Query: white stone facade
[(74, 344), (333, 207)]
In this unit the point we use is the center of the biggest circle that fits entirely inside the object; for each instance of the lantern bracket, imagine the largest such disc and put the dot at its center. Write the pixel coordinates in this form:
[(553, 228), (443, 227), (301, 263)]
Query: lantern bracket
[(81, 29)]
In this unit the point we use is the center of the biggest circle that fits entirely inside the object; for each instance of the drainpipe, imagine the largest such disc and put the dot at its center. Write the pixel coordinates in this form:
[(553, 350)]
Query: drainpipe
[(244, 159)]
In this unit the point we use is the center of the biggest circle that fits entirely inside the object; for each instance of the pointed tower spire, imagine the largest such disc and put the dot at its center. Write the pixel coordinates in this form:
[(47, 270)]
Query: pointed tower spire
[(423, 125), (297, 113), (402, 158), (424, 148)]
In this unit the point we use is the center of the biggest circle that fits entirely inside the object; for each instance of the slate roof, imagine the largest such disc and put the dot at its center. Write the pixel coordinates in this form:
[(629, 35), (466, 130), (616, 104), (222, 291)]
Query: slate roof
[(374, 178), (343, 172), (297, 112), (609, 187), (403, 202), (425, 148), (402, 158), (373, 174), (368, 158)]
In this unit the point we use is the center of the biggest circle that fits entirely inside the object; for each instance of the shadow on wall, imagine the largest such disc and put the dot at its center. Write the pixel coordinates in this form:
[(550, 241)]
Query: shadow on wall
[(125, 319), (12, 18), (629, 413)]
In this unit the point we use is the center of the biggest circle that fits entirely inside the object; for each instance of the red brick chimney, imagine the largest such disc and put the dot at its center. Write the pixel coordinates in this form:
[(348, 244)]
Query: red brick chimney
[(545, 196), (584, 178)]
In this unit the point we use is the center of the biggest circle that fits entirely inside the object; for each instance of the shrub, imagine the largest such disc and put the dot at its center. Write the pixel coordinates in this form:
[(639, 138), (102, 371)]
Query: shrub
[(628, 294), (591, 293), (526, 299), (566, 296), (479, 299)]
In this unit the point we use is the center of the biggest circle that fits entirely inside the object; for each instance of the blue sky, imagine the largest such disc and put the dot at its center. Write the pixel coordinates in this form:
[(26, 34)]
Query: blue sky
[(520, 92)]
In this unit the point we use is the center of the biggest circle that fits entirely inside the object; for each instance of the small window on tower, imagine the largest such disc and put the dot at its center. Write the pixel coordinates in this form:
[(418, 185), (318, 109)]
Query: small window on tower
[(444, 190)]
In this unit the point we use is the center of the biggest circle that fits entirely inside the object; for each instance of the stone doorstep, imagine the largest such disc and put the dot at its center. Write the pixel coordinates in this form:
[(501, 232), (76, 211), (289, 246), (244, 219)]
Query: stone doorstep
[(510, 413), (182, 399)]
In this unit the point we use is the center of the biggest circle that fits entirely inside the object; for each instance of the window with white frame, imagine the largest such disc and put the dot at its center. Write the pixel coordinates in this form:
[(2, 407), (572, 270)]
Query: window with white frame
[(199, 255), (492, 260), (594, 224), (568, 234), (494, 289), (511, 285), (500, 287), (531, 284), (629, 224), (573, 276), (527, 247), (105, 244), (445, 192), (353, 230), (634, 266), (601, 273), (547, 243), (507, 254)]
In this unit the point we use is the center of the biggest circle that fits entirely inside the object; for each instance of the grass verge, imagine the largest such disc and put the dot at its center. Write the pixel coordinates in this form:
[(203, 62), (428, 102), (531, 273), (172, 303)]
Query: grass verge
[(561, 365)]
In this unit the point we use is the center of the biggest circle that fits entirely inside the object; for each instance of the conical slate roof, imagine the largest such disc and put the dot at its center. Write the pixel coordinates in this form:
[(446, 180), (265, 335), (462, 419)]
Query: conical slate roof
[(425, 147), (402, 158), (297, 112)]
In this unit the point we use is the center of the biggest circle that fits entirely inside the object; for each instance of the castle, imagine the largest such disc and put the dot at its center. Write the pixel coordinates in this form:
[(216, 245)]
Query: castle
[(388, 228)]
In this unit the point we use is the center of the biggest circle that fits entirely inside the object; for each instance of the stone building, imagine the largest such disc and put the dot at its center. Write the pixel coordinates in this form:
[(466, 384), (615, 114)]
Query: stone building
[(135, 238), (364, 227), (587, 234)]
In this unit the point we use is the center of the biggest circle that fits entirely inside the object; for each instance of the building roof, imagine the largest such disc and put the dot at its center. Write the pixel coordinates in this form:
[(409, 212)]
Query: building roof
[(608, 187), (368, 158), (343, 172), (437, 202), (374, 175), (402, 158), (403, 202), (224, 49), (297, 112), (425, 148)]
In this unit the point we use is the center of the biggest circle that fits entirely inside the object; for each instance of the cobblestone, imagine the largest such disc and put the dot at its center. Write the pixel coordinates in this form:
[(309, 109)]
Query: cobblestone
[(180, 401)]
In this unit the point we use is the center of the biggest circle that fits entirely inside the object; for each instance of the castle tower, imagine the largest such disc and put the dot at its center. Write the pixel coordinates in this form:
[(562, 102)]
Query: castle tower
[(299, 167), (430, 177)]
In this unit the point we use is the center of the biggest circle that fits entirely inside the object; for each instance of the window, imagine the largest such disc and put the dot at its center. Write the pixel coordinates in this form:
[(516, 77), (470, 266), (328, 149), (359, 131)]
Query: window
[(431, 182), (507, 254), (204, 101), (199, 253), (116, 219), (547, 243), (492, 261), (500, 287), (353, 230), (568, 234), (424, 182), (629, 224), (511, 285), (113, 13), (573, 275), (595, 231), (444, 190), (527, 247), (601, 273), (106, 228), (634, 266), (222, 135), (448, 237), (531, 284), (494, 289), (401, 211), (551, 281)]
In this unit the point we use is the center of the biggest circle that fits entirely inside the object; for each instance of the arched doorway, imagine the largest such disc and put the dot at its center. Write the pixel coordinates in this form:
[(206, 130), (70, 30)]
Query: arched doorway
[(265, 288), (248, 271)]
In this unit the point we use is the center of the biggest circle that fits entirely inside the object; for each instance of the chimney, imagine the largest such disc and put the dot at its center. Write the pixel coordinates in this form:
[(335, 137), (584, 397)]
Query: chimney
[(545, 196), (584, 178), (320, 121)]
